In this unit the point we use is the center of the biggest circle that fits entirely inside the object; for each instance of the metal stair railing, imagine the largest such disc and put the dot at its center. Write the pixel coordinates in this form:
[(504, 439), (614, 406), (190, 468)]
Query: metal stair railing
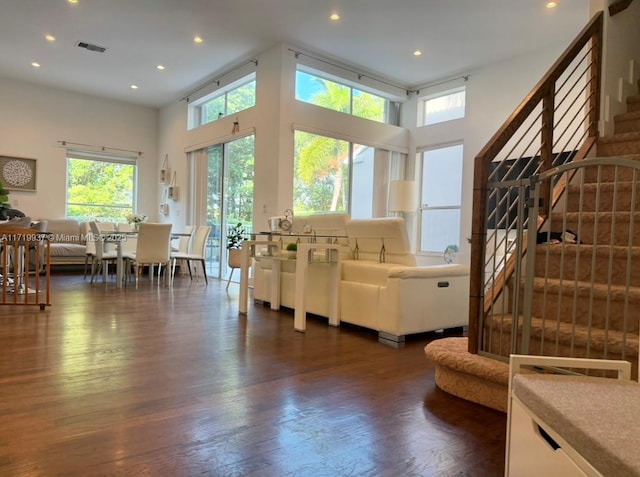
[(555, 124)]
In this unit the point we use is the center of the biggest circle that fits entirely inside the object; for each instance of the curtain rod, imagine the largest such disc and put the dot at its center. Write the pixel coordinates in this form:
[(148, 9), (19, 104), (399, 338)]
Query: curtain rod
[(297, 53), (217, 80), (100, 148), (438, 83)]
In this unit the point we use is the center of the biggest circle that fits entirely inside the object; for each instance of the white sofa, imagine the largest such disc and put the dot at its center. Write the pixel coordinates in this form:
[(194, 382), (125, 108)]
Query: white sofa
[(67, 241), (381, 287), (322, 226)]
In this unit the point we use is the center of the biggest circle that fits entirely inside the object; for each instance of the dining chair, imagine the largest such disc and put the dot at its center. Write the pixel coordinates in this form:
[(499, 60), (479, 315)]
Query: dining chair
[(107, 227), (197, 254), (153, 247), (131, 242), (90, 245), (184, 240), (102, 257)]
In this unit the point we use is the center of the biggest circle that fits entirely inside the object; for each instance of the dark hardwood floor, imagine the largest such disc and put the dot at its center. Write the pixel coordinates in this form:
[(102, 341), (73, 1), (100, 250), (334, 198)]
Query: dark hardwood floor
[(172, 382)]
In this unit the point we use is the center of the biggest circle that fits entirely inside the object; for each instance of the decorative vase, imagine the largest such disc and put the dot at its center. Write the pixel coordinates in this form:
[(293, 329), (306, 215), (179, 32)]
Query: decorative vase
[(234, 259), (449, 255), (136, 226)]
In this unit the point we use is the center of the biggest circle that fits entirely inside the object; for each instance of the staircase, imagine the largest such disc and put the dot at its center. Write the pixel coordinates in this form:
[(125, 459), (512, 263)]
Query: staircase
[(570, 299), (585, 296)]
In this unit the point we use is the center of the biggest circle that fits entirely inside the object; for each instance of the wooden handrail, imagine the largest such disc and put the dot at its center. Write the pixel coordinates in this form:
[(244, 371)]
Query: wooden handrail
[(544, 92)]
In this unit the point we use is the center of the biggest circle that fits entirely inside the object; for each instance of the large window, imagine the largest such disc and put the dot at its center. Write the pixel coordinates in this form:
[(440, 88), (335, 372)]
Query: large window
[(334, 175), (321, 174), (100, 186), (227, 101), (444, 106), (329, 94), (441, 196)]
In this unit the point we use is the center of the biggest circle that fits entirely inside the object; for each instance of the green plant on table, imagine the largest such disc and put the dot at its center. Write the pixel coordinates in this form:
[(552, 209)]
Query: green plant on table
[(292, 247), (235, 237)]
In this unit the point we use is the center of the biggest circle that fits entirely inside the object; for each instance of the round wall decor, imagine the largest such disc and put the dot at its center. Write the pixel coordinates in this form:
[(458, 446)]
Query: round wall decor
[(18, 173)]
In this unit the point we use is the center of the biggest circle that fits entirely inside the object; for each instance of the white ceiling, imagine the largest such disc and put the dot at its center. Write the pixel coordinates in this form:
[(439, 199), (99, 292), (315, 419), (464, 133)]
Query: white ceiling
[(376, 36)]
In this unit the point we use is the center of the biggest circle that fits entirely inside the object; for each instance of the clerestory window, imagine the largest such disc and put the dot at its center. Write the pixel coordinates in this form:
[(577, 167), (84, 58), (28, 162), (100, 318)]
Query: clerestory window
[(327, 93)]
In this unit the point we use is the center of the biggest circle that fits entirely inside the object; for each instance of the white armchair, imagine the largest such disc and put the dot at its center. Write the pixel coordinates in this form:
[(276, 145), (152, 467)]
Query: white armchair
[(381, 287)]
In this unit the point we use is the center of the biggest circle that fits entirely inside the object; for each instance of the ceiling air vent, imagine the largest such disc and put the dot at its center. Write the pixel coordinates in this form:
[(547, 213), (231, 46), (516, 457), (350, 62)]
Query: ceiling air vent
[(91, 47)]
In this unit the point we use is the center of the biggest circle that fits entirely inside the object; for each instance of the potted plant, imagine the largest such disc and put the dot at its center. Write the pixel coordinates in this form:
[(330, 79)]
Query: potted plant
[(291, 249), (4, 202), (235, 237)]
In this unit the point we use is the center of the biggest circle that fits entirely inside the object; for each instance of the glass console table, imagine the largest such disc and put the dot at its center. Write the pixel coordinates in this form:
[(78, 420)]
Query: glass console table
[(307, 246)]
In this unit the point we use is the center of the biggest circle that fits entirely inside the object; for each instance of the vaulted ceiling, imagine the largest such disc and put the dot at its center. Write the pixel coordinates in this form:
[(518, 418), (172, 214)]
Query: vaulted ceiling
[(378, 37)]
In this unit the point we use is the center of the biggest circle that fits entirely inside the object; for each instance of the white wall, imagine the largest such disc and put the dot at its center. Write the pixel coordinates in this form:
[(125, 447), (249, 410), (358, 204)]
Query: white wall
[(493, 93), (34, 118), (272, 118), (621, 61)]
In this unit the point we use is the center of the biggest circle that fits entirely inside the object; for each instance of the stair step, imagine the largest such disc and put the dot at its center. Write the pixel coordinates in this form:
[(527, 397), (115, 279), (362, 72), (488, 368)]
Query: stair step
[(589, 263), (627, 122), (609, 228), (605, 196), (549, 338), (619, 144), (608, 173), (469, 376), (585, 303)]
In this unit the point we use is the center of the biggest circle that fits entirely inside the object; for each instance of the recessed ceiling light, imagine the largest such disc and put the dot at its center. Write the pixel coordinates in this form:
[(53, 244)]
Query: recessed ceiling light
[(417, 53), (334, 16), (160, 67), (197, 39), (73, 1), (50, 38), (552, 4), (35, 64), (134, 86)]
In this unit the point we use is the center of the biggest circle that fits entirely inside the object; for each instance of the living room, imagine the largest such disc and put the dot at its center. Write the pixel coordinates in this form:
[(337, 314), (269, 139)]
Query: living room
[(44, 121)]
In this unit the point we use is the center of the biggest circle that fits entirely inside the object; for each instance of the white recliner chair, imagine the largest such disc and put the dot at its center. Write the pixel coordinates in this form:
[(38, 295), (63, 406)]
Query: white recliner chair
[(381, 287)]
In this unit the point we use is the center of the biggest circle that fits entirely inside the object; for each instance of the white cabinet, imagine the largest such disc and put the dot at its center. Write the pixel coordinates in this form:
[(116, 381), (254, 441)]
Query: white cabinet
[(532, 454), (564, 424)]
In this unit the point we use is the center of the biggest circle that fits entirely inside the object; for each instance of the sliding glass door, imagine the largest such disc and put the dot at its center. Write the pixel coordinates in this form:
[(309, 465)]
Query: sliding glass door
[(229, 197)]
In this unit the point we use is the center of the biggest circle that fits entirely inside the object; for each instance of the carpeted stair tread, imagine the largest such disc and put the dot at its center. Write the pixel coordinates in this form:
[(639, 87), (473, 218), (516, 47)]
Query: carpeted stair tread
[(452, 353), (627, 116), (605, 195), (627, 122), (585, 262), (588, 289), (469, 376), (622, 137), (584, 224), (572, 334)]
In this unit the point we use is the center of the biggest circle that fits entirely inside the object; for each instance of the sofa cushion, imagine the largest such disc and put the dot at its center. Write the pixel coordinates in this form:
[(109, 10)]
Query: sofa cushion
[(67, 250), (65, 231)]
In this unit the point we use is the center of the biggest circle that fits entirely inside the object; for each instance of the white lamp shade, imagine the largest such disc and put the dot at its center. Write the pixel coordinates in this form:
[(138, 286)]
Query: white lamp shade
[(402, 196)]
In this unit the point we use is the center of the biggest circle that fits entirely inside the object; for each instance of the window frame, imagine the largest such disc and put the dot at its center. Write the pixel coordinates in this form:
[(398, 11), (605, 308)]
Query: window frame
[(198, 108), (422, 120), (390, 105), (106, 158), (385, 166), (425, 207)]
